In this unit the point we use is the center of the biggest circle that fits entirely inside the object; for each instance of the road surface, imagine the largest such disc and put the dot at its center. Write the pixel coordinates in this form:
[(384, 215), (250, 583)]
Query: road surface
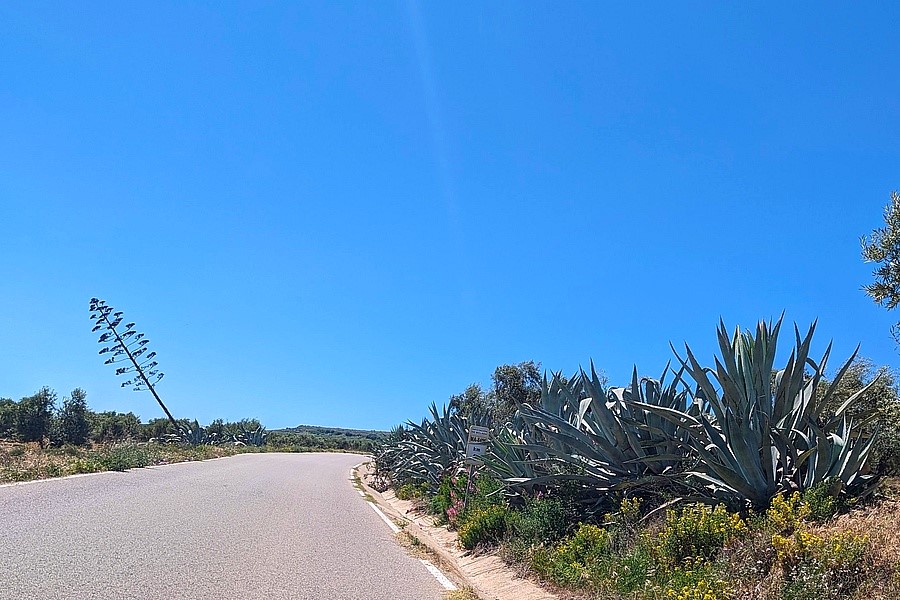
[(251, 526)]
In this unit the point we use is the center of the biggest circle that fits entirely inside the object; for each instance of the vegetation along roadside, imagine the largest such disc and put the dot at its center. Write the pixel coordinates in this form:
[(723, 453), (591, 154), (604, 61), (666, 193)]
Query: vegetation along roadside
[(740, 480)]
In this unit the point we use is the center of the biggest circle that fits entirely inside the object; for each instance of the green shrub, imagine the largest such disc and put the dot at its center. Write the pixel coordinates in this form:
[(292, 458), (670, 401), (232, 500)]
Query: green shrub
[(121, 458), (822, 500), (541, 520), (628, 515), (483, 527), (485, 491), (82, 465), (697, 532), (700, 584), (446, 504), (580, 561), (635, 566), (411, 491)]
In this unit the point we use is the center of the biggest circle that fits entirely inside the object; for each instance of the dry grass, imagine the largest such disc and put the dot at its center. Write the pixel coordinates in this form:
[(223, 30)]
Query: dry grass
[(27, 461), (881, 523), (464, 594), (756, 577)]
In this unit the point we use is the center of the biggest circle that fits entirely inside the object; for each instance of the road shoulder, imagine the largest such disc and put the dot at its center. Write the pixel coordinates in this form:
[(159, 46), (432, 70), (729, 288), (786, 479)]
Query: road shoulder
[(485, 573)]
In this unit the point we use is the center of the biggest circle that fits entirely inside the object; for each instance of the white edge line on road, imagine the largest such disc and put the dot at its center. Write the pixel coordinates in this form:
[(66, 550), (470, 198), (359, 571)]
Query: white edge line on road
[(448, 585), (384, 518), (442, 579), (76, 475)]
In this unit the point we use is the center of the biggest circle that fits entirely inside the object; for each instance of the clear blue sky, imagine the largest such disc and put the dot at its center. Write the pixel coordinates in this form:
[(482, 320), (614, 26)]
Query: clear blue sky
[(337, 213)]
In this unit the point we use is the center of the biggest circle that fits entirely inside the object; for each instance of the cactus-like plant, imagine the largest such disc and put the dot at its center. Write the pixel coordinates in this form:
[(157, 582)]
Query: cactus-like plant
[(252, 437), (757, 435)]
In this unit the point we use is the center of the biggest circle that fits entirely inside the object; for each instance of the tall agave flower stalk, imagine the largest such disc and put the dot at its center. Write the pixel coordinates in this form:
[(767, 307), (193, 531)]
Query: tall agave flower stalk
[(129, 348)]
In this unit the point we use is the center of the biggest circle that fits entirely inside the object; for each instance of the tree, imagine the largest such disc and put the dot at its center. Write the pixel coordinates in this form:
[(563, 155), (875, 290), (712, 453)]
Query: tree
[(157, 428), (8, 416), (472, 401), (881, 400), (511, 385), (883, 248), (73, 425), (34, 416), (514, 385), (111, 426)]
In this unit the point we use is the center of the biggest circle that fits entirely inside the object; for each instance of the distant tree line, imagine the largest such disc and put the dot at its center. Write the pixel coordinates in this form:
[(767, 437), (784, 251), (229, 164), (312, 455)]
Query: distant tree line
[(43, 419)]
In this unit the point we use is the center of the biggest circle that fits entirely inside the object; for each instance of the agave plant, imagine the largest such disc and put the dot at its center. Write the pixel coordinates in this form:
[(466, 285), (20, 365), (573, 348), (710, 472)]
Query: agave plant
[(599, 439), (427, 452), (757, 435), (255, 437)]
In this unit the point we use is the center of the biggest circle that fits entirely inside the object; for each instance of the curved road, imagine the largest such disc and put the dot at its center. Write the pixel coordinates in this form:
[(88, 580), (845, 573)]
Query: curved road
[(249, 526)]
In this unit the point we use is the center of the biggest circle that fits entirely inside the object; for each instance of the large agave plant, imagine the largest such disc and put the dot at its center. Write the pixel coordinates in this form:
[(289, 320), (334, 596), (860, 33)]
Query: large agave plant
[(426, 452), (252, 437), (757, 435), (597, 439)]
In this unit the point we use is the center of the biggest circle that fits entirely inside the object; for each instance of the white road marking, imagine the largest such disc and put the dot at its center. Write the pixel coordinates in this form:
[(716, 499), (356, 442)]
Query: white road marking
[(384, 517), (442, 579), (32, 481)]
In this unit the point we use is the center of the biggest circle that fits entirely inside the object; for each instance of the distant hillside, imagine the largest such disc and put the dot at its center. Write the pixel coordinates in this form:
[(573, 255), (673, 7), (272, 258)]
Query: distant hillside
[(334, 432)]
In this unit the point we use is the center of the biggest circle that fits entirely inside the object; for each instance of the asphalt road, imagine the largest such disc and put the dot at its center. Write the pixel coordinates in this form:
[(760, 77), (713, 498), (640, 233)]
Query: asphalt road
[(251, 526)]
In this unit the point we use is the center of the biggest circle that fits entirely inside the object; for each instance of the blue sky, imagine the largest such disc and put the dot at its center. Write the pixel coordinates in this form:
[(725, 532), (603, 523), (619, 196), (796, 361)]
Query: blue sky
[(337, 213)]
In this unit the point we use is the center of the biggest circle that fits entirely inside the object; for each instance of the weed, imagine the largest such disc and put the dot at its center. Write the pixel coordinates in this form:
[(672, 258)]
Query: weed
[(121, 458), (821, 500), (787, 513), (819, 566)]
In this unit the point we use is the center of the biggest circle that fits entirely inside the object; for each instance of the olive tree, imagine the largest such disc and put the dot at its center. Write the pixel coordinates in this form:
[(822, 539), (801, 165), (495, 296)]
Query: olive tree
[(882, 247)]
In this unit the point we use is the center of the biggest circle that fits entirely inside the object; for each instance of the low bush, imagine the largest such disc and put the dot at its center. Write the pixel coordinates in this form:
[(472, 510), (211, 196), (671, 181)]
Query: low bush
[(120, 458), (483, 527), (541, 521), (411, 491), (822, 500), (697, 532), (819, 567), (578, 561), (700, 586)]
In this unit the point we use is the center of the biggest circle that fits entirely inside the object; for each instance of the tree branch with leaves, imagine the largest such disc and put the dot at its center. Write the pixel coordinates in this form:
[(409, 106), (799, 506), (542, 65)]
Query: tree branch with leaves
[(882, 247)]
